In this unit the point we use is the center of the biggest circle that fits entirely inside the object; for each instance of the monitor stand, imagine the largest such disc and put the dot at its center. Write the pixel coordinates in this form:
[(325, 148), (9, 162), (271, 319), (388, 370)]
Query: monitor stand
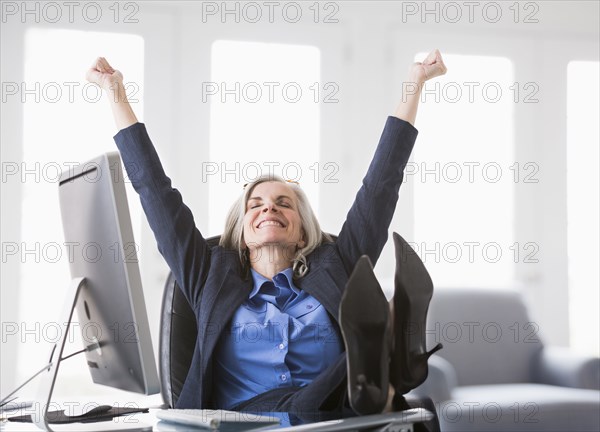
[(40, 415)]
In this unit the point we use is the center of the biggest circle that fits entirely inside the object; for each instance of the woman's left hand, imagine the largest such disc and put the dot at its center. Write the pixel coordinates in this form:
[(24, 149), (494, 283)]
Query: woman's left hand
[(433, 66)]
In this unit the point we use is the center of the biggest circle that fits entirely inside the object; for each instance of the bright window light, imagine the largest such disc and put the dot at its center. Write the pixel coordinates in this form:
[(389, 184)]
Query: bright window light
[(264, 118), (65, 122), (463, 173), (583, 111)]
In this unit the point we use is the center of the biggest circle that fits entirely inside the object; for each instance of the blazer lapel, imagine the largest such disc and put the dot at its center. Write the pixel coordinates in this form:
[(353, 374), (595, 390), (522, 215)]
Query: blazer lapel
[(319, 284), (220, 309)]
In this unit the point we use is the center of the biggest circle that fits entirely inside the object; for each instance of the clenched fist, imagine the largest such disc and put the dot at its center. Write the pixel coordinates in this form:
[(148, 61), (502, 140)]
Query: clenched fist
[(104, 75), (433, 66)]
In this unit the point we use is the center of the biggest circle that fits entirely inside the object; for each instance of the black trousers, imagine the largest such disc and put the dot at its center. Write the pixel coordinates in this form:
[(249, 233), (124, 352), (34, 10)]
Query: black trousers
[(326, 398)]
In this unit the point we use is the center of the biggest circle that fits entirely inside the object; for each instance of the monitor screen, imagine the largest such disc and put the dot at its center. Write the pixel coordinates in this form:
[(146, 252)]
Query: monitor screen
[(111, 307)]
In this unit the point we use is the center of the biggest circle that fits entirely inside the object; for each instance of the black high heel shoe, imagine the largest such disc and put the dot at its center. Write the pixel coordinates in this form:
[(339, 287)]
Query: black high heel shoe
[(412, 294), (364, 320)]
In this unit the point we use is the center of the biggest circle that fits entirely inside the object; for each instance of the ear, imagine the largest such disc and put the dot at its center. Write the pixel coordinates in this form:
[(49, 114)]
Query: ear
[(301, 242)]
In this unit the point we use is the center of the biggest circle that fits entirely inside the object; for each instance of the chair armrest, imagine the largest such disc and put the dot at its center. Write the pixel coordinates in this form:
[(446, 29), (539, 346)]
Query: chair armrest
[(563, 367), (440, 381)]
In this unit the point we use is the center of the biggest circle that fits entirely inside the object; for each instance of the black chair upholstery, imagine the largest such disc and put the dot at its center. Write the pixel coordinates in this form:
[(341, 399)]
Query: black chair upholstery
[(178, 334)]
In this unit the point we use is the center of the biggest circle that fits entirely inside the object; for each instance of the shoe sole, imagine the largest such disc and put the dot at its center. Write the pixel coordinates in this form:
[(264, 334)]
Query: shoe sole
[(364, 320)]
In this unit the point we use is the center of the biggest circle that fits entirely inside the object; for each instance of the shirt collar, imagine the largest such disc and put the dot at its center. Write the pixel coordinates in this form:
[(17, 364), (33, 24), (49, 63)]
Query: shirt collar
[(259, 280)]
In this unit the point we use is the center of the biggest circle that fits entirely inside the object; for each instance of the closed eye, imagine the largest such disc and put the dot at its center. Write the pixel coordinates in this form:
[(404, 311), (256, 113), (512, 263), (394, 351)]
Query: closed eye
[(254, 203)]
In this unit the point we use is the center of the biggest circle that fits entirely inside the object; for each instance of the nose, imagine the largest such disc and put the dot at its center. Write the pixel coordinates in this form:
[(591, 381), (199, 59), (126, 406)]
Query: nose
[(269, 207)]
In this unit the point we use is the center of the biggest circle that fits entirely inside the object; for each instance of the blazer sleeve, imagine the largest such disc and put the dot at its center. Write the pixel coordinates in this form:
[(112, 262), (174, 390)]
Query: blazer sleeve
[(179, 241), (365, 230)]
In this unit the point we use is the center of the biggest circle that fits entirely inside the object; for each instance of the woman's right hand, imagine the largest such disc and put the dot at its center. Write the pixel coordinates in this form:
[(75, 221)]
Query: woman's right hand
[(104, 75)]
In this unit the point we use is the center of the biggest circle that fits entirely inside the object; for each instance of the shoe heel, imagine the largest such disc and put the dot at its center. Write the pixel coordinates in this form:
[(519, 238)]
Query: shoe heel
[(435, 349), (412, 295), (421, 368)]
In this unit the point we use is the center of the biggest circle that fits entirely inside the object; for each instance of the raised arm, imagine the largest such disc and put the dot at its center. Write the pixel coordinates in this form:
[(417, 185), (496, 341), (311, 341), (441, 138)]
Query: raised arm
[(433, 66), (179, 241), (365, 230)]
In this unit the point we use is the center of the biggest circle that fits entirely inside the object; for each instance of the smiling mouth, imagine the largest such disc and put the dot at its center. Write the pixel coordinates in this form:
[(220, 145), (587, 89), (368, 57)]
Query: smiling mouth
[(267, 223)]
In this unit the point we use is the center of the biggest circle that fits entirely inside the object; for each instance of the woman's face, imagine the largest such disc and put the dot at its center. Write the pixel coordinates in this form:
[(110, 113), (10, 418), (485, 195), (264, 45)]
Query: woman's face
[(272, 217)]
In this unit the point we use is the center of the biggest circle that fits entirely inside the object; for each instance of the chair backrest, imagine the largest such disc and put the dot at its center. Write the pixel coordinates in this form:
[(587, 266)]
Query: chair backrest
[(487, 334), (178, 334)]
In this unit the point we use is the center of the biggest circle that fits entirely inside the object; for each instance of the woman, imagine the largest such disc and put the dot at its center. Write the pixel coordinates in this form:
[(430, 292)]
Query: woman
[(267, 297)]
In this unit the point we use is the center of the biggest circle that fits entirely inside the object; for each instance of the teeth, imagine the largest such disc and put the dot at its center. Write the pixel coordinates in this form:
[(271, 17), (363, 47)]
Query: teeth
[(270, 223)]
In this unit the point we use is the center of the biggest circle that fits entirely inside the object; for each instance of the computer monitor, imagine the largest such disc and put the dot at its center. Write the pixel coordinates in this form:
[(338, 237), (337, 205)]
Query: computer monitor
[(105, 287), (110, 306)]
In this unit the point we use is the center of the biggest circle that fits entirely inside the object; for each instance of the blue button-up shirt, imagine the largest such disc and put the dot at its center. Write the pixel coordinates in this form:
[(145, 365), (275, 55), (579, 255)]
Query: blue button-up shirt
[(279, 337)]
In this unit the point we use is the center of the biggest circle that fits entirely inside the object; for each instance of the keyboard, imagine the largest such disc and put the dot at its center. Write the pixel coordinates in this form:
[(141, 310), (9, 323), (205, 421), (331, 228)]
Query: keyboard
[(212, 419)]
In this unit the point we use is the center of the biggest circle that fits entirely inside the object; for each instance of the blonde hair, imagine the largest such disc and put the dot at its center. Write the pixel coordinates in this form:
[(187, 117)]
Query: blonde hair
[(233, 235)]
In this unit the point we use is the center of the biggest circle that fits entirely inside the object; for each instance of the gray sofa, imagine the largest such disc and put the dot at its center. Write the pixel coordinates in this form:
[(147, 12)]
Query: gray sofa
[(495, 373)]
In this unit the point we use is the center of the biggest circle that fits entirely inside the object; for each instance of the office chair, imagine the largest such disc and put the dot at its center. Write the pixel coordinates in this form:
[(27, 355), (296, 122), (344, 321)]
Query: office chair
[(178, 334)]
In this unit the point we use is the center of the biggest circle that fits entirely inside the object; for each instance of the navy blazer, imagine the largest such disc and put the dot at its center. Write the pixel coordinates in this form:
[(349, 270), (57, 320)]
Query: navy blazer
[(211, 278)]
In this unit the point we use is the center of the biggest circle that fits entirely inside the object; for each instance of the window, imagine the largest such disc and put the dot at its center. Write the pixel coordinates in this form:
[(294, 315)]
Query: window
[(65, 122), (264, 119), (583, 194), (463, 173)]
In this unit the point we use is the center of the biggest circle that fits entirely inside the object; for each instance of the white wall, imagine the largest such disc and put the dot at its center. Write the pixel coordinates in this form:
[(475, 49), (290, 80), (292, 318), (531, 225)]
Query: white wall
[(365, 53)]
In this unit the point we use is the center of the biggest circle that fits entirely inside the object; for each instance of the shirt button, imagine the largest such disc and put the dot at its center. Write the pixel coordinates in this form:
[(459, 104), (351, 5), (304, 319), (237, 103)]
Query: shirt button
[(281, 346), (283, 377)]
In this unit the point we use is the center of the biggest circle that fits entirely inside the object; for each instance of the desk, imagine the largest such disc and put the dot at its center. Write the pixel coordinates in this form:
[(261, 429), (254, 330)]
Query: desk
[(147, 422)]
